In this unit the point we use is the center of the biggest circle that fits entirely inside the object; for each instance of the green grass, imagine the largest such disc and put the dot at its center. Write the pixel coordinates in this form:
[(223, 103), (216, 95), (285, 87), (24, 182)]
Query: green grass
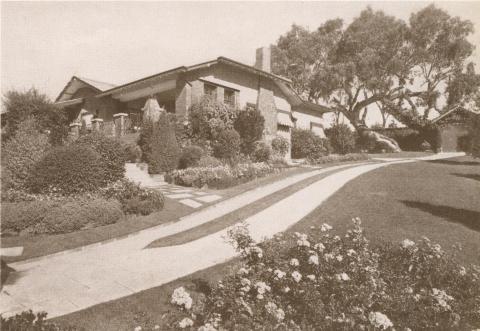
[(438, 199), (40, 245)]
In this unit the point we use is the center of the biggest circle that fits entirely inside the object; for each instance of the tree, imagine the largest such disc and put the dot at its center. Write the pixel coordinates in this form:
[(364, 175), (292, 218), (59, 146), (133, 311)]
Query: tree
[(250, 125), (163, 150), (21, 105)]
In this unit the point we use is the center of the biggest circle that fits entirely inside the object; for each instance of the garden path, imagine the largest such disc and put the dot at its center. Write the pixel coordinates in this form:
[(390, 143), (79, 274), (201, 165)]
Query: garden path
[(188, 196), (70, 282)]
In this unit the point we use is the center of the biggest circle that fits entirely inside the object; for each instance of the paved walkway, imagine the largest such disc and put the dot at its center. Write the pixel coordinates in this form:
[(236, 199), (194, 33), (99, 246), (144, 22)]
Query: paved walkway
[(70, 282), (189, 196)]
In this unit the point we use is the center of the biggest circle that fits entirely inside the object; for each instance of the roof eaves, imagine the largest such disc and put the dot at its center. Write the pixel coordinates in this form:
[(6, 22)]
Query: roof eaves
[(253, 69)]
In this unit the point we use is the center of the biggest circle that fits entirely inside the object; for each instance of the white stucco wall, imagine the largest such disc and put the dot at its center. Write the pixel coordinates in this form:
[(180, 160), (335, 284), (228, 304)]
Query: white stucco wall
[(305, 120)]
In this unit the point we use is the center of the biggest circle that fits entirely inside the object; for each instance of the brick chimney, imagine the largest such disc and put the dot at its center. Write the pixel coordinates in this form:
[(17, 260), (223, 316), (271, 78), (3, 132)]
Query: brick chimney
[(263, 59)]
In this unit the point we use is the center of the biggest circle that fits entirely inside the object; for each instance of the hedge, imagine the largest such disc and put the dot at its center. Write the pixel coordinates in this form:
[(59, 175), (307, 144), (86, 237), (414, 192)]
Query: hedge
[(342, 138), (69, 170), (305, 143)]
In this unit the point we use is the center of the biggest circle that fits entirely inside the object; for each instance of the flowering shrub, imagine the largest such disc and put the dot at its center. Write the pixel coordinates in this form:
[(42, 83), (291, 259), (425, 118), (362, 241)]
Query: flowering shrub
[(261, 152), (280, 145), (134, 199), (339, 158), (28, 321), (220, 176), (322, 281)]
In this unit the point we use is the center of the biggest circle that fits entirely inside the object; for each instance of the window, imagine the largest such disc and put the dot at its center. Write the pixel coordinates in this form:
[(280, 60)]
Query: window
[(229, 97), (210, 90)]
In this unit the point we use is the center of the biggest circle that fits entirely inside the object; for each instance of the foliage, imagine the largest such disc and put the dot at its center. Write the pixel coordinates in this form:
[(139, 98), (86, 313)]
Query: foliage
[(21, 152), (321, 281), (261, 152), (475, 132), (190, 157), (209, 118), (227, 145), (280, 145), (134, 199), (160, 145), (305, 143), (111, 151), (342, 138), (59, 216), (69, 169), (433, 136), (133, 152), (209, 161), (339, 158), (408, 139), (377, 59), (219, 177), (28, 321), (22, 105), (250, 125)]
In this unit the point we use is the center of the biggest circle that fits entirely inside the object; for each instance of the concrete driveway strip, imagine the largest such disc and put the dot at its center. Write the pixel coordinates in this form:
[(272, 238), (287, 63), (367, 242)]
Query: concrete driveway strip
[(70, 282)]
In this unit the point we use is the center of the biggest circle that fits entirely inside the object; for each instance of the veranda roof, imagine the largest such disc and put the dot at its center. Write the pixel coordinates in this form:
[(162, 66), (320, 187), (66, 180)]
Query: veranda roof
[(284, 119)]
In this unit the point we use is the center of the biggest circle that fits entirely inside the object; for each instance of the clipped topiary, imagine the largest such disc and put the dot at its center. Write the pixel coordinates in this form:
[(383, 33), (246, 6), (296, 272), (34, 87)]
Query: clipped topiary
[(250, 125), (68, 170), (163, 151), (227, 145), (112, 152), (190, 157), (21, 152)]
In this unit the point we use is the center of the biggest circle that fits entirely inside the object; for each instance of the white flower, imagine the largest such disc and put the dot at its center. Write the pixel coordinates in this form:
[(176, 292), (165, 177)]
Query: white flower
[(313, 259), (379, 320), (185, 323), (259, 296), (406, 243), (254, 250), (409, 290), (343, 276), (273, 310), (245, 282), (301, 243), (242, 271), (311, 277), (207, 327), (156, 327), (319, 247), (336, 238), (351, 252), (462, 271), (329, 256), (339, 258), (442, 298), (138, 328), (279, 274), (294, 262), (325, 227), (181, 297), (296, 276), (262, 287), (286, 289)]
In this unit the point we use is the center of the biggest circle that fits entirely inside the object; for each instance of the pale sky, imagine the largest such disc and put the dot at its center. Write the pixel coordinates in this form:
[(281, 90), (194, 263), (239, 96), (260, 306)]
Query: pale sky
[(44, 43)]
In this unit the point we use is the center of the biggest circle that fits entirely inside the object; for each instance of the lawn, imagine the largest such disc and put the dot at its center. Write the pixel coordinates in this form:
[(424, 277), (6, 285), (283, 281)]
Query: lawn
[(400, 155), (438, 199)]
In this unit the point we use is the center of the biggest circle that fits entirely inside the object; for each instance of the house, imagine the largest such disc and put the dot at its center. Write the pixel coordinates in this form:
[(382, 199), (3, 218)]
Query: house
[(228, 81)]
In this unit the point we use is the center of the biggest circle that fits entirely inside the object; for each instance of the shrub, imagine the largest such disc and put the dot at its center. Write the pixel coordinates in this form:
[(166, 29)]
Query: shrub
[(280, 145), (342, 138), (464, 143), (21, 152), (249, 124), (305, 143), (133, 153), (433, 136), (261, 152), (134, 199), (59, 216), (163, 150), (219, 177), (190, 157), (408, 139), (111, 151), (475, 134), (20, 106), (28, 321), (227, 145), (209, 118), (68, 170), (209, 161), (322, 281), (339, 158)]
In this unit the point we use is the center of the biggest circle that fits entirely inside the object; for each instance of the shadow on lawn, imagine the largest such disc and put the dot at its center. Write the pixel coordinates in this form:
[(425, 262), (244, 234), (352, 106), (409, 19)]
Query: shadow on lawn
[(468, 218), (469, 176), (451, 162)]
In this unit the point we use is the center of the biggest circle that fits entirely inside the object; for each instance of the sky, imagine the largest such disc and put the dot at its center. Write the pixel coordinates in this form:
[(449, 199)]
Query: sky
[(44, 43)]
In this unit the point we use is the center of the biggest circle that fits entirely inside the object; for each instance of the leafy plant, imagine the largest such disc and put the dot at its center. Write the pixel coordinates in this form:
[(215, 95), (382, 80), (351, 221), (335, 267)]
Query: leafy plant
[(280, 145), (261, 152), (190, 157), (341, 138), (250, 125), (68, 170), (305, 143), (28, 321), (21, 152), (227, 145)]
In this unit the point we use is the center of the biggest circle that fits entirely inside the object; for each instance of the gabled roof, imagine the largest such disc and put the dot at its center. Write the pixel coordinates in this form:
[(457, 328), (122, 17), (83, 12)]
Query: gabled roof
[(454, 110), (77, 82)]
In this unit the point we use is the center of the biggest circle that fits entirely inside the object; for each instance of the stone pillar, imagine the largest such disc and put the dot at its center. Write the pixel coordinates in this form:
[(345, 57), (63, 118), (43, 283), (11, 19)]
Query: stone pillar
[(75, 130), (183, 100), (266, 106), (97, 124), (119, 120)]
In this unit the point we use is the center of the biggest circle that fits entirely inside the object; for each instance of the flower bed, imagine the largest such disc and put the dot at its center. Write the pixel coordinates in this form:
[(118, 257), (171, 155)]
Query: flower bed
[(322, 281), (339, 158), (221, 176)]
